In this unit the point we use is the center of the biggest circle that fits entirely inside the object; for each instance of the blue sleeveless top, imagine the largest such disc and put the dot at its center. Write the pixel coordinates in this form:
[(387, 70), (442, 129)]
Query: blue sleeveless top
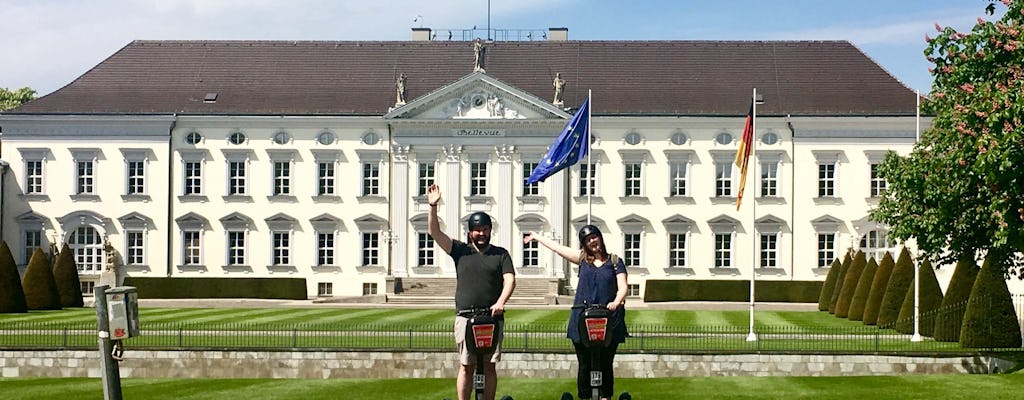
[(598, 286)]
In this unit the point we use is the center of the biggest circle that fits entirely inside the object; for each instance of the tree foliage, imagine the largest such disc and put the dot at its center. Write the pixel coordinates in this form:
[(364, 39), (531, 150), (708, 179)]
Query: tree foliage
[(65, 273), (13, 98), (825, 297), (40, 287), (850, 284), (860, 294), (962, 187), (12, 296), (878, 285), (900, 280), (990, 320), (929, 300), (847, 260), (954, 303)]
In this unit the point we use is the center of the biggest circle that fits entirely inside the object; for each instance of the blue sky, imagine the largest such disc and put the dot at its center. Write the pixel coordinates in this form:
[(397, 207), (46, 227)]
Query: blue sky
[(48, 43)]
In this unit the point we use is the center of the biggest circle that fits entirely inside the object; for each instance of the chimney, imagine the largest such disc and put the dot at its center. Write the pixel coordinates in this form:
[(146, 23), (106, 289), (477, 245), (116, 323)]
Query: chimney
[(420, 34), (558, 34)]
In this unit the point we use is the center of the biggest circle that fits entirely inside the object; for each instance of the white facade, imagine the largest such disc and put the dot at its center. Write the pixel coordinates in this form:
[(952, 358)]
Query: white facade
[(337, 200)]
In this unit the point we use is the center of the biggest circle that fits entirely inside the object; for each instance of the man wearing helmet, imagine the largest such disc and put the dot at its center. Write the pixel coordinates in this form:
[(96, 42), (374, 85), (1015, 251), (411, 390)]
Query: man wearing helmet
[(484, 278)]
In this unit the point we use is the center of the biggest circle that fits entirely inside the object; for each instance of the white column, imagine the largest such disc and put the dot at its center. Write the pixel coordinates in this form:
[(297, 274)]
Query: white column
[(505, 197), (557, 191), (451, 195), (400, 210)]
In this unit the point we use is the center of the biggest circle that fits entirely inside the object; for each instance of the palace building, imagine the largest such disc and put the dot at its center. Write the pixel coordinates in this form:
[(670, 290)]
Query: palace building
[(311, 159)]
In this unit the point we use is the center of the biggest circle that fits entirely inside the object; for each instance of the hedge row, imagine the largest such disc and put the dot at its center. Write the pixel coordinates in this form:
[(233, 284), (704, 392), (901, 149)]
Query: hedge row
[(732, 290), (220, 288)]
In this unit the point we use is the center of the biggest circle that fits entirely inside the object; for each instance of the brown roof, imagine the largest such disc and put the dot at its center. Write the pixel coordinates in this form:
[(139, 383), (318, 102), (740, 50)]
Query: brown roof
[(357, 78)]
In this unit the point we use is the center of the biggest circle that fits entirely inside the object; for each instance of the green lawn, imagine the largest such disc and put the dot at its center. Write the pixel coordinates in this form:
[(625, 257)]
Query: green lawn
[(923, 387)]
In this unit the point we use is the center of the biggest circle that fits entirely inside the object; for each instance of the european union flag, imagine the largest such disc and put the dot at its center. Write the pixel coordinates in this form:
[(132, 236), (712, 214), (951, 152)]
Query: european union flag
[(572, 144)]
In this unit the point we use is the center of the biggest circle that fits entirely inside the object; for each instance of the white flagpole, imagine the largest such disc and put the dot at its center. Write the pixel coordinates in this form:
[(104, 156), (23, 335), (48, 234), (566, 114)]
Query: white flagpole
[(752, 337), (591, 179), (917, 270)]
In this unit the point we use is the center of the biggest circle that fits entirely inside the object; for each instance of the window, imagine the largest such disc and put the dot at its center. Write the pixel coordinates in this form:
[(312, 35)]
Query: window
[(34, 177), (88, 287), (769, 179), (236, 248), (478, 179), (135, 248), (324, 289), (282, 137), (875, 244), (325, 178), (85, 177), (677, 250), (679, 138), (191, 248), (723, 179), (282, 254), (633, 290), (135, 177), (87, 247), (369, 288), (33, 241), (634, 179), (236, 178), (371, 248), (769, 250), (531, 254), (282, 178), (723, 138), (371, 179), (677, 179), (826, 180), (426, 177), (770, 138), (193, 178), (424, 249), (237, 138), (325, 138), (723, 250), (878, 184), (826, 249), (324, 248), (588, 179), (530, 190), (193, 138), (631, 249)]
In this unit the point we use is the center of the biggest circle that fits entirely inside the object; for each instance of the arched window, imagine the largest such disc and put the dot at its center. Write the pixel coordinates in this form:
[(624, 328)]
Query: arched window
[(875, 244), (87, 247)]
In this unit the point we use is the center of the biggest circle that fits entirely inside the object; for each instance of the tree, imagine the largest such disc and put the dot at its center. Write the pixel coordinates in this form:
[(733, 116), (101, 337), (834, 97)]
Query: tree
[(40, 287), (990, 320), (12, 296), (847, 260), (850, 284), (954, 303), (13, 98), (65, 273), (860, 295), (929, 299), (901, 278), (878, 286), (962, 187), (825, 297)]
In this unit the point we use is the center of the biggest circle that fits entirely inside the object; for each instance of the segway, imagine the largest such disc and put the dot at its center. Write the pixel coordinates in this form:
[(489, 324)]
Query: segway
[(480, 329), (594, 326)]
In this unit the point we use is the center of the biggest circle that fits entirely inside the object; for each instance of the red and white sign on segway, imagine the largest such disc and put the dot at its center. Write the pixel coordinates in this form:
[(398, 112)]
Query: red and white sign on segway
[(596, 329), (483, 335)]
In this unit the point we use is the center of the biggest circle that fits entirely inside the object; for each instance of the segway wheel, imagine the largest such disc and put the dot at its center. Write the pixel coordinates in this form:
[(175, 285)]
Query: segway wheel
[(625, 396), (506, 397), (566, 396)]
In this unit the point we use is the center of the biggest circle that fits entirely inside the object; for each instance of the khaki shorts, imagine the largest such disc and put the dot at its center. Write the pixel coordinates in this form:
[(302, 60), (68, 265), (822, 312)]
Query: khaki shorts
[(460, 342)]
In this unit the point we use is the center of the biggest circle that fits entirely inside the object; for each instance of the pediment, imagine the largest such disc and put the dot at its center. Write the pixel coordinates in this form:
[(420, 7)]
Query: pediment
[(478, 96)]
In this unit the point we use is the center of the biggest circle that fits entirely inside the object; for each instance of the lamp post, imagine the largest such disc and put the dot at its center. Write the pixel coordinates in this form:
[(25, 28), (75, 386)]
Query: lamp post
[(390, 237)]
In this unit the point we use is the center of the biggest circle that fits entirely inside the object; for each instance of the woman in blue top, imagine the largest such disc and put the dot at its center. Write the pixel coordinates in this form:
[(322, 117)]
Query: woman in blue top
[(602, 280)]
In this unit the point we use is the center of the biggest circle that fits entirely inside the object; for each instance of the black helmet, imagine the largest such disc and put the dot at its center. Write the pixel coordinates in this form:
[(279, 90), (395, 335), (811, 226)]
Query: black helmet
[(588, 230), (478, 218)]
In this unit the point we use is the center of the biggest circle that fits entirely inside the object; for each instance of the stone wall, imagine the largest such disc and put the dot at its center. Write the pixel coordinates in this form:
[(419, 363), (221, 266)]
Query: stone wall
[(325, 365)]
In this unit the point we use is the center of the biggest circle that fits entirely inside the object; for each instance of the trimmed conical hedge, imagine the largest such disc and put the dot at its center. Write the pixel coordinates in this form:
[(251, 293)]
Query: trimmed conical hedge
[(878, 285), (990, 320), (860, 295), (950, 316), (40, 287), (930, 299), (901, 278), (65, 273), (12, 296), (847, 260), (850, 284), (825, 297)]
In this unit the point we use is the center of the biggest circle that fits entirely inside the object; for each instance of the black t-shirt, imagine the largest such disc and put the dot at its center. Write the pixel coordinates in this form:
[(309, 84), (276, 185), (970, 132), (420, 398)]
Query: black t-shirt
[(479, 275)]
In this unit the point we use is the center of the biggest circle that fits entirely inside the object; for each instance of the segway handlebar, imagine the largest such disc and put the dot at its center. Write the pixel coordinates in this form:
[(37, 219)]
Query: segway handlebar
[(472, 312)]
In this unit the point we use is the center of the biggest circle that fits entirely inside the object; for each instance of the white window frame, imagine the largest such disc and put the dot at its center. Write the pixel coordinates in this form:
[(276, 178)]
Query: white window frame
[(827, 186), (281, 184), (532, 189), (826, 255), (426, 175), (724, 254), (768, 250), (632, 248), (677, 256), (35, 178), (29, 248), (478, 178), (325, 289), (327, 185), (875, 243), (769, 179), (199, 179), (134, 250), (236, 255), (369, 248), (326, 253), (826, 225), (723, 179), (530, 254), (86, 181), (370, 166), (878, 184), (135, 177), (426, 250), (280, 253), (679, 179), (634, 172), (89, 256), (187, 247), (589, 178)]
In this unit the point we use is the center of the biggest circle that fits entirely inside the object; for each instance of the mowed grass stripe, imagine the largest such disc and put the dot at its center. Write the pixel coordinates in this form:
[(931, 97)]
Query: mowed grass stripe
[(184, 315)]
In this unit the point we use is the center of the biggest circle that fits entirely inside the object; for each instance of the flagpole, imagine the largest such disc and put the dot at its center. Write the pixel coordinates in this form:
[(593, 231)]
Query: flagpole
[(591, 179), (917, 270), (752, 337)]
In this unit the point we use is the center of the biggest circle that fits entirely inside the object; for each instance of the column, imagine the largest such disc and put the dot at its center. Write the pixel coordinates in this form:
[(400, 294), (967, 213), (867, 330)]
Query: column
[(400, 210), (505, 197), (451, 194)]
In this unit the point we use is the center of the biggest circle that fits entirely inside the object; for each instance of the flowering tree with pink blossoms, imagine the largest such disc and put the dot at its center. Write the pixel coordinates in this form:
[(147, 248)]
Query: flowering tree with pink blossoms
[(961, 189)]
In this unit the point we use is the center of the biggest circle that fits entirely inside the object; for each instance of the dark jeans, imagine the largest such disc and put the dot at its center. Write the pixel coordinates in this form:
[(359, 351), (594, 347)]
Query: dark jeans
[(605, 357)]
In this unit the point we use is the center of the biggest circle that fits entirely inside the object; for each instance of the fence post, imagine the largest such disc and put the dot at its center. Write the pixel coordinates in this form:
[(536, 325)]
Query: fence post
[(65, 338), (410, 338), (295, 338)]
